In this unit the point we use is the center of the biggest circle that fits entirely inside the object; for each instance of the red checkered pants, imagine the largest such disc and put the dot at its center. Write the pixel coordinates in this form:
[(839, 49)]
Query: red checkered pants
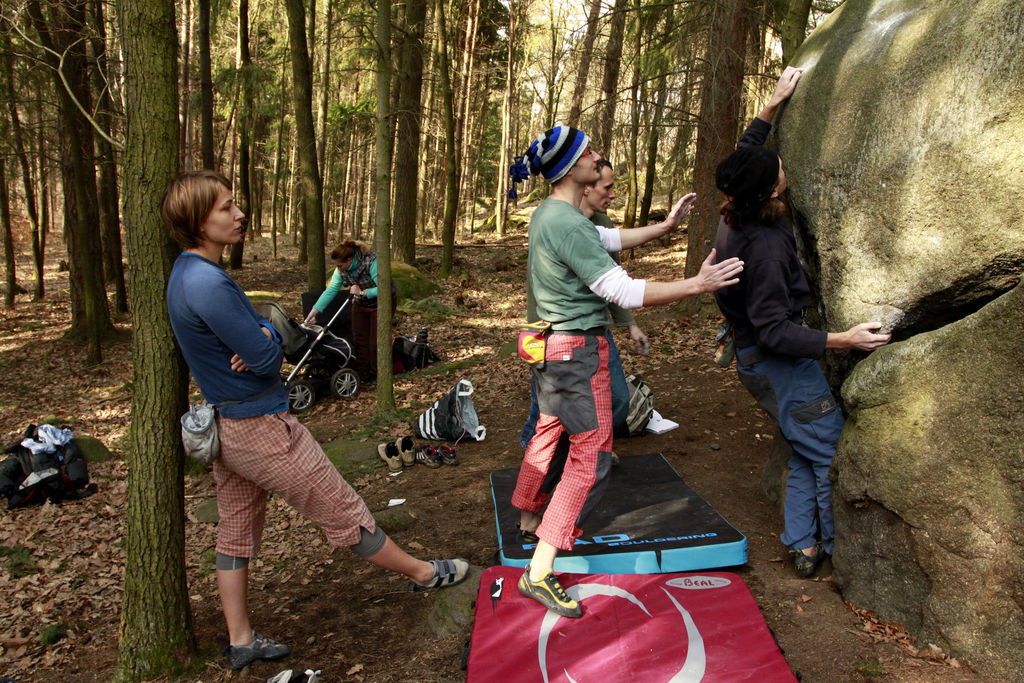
[(276, 453), (574, 394)]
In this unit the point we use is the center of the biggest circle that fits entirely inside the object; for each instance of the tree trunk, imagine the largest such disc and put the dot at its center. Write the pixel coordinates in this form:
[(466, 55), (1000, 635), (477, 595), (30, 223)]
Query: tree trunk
[(274, 226), (90, 316), (507, 109), (305, 142), (653, 135), (346, 186), (186, 86), (325, 80), (39, 236), (407, 147), (463, 120), (794, 28), (205, 86), (451, 179), (602, 136), (243, 190), (156, 626), (382, 223), (23, 163), (639, 62), (110, 220), (10, 275), (586, 55), (719, 111)]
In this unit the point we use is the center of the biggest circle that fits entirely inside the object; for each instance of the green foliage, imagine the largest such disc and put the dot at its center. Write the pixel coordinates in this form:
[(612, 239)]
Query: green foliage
[(343, 113), (209, 562), (870, 670), (93, 450), (19, 561), (53, 634)]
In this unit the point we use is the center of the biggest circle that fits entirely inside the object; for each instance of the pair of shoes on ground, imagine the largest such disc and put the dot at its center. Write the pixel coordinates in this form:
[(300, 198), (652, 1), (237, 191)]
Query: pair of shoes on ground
[(435, 457), (548, 592), (261, 647), (805, 565), (446, 573), (398, 454)]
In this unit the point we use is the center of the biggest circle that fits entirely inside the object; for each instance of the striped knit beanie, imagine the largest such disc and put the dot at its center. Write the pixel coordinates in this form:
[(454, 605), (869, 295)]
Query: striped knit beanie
[(556, 151)]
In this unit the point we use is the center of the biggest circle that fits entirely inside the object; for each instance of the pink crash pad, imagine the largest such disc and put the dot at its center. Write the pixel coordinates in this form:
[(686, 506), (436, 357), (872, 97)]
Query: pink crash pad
[(635, 627)]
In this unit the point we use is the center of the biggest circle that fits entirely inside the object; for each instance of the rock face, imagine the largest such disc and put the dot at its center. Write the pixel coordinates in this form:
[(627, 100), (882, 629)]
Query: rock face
[(902, 149), (929, 489), (902, 146)]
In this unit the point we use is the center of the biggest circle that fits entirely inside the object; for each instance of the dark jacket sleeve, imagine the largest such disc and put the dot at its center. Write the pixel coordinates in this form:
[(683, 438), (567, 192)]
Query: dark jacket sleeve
[(755, 134)]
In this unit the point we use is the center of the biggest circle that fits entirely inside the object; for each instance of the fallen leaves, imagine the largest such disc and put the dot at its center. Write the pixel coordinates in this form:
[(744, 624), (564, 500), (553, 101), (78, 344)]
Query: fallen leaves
[(882, 631)]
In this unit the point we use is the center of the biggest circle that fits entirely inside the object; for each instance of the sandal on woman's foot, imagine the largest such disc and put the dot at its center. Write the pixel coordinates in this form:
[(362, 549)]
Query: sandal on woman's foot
[(528, 536), (426, 455), (447, 455), (446, 573), (406, 450)]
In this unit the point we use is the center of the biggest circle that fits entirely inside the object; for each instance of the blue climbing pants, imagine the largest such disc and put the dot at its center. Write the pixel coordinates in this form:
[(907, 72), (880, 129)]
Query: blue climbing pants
[(796, 394)]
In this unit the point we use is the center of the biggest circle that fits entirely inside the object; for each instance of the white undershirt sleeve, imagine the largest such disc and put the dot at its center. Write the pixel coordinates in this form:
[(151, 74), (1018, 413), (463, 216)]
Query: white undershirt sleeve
[(618, 287), (611, 240)]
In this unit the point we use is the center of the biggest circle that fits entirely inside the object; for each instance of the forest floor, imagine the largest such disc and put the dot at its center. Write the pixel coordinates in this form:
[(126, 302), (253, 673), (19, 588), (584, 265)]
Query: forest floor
[(61, 567)]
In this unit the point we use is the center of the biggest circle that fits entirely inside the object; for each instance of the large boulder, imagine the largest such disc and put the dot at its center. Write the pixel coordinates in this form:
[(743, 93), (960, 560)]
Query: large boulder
[(902, 149), (929, 491)]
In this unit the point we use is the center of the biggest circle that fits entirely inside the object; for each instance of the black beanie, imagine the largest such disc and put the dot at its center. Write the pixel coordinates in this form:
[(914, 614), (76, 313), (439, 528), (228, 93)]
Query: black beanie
[(748, 175)]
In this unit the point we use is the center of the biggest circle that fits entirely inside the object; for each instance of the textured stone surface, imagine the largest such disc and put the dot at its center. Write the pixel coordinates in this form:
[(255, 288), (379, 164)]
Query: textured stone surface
[(411, 283), (453, 609), (929, 492), (902, 148)]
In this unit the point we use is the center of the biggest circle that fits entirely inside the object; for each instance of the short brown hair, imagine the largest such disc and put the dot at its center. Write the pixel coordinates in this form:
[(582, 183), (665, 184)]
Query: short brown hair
[(344, 251), (187, 201)]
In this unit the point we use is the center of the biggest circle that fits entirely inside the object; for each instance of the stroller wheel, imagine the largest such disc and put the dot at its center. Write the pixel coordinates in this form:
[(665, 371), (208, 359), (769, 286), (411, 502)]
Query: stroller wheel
[(345, 383), (301, 395)]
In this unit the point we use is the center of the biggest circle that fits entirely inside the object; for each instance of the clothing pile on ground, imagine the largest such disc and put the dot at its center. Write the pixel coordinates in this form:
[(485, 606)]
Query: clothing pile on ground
[(44, 464)]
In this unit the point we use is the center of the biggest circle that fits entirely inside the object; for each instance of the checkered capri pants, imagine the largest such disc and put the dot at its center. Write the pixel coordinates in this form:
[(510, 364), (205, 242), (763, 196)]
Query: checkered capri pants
[(276, 453)]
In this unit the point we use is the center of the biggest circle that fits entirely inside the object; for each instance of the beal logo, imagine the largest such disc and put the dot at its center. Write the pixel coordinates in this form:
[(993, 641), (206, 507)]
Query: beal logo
[(698, 583)]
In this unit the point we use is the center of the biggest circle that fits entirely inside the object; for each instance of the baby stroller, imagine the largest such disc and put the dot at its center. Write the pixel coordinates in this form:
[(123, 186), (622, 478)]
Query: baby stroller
[(321, 357)]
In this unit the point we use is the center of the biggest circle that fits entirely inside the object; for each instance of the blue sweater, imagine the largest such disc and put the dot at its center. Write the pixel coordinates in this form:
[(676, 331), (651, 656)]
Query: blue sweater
[(213, 320)]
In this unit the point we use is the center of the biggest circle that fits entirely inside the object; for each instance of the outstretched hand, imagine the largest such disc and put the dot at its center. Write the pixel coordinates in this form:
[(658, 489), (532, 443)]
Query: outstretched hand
[(713, 276), (683, 207)]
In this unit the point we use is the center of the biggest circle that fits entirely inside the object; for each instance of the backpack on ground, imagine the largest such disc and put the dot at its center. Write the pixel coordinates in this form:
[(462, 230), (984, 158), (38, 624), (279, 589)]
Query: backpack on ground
[(33, 476), (451, 418), (412, 353), (641, 404)]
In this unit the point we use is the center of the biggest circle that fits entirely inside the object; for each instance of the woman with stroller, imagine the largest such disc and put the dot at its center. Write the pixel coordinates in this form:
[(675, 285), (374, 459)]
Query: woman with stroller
[(356, 268), (235, 357)]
